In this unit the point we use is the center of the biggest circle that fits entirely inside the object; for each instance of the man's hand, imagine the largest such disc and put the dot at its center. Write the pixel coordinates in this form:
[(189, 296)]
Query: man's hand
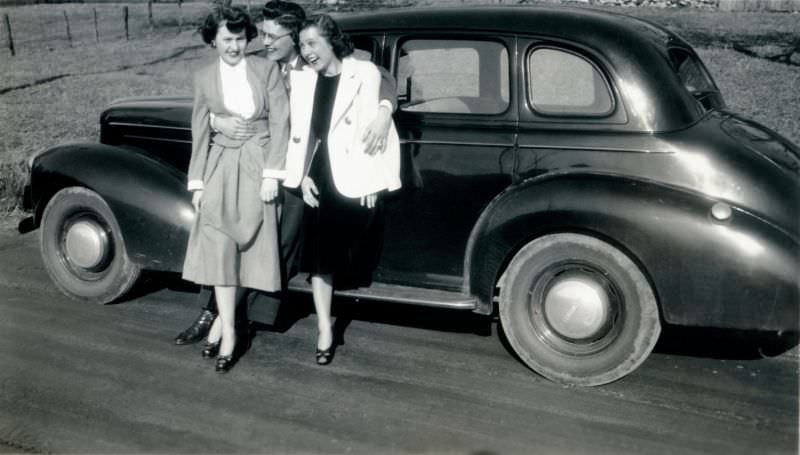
[(269, 189), (310, 192), (369, 200), (233, 127), (377, 131), (197, 197)]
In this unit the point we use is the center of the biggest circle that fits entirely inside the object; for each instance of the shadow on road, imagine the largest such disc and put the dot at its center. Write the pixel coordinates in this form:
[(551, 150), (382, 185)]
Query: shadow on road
[(724, 343), (675, 340)]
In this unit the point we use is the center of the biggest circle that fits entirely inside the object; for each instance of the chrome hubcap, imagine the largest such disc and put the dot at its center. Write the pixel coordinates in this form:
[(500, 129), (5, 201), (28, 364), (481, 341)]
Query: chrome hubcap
[(86, 244), (577, 307)]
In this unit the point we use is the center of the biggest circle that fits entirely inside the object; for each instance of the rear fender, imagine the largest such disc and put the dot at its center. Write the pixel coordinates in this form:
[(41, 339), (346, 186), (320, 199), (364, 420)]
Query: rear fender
[(738, 274), (148, 197)]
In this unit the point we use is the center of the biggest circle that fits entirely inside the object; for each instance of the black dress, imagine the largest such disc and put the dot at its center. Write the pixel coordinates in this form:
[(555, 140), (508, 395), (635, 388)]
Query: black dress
[(341, 237)]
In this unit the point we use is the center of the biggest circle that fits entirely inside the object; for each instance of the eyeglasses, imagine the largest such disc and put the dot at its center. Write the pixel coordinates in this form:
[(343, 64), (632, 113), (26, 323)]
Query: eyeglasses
[(273, 37)]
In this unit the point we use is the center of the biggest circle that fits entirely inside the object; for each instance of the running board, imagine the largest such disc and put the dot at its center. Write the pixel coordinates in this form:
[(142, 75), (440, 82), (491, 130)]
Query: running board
[(398, 294)]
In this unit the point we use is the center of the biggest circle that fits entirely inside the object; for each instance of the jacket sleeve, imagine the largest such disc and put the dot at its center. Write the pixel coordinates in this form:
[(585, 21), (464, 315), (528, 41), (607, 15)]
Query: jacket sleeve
[(200, 136), (389, 160), (368, 96), (388, 90), (275, 159)]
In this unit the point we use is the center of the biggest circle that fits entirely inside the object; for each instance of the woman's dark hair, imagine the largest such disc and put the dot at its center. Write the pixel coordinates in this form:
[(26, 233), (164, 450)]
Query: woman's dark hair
[(235, 19), (339, 41)]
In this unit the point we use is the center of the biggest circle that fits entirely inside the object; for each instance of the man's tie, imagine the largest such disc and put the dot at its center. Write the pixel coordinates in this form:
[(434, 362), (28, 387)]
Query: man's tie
[(285, 75)]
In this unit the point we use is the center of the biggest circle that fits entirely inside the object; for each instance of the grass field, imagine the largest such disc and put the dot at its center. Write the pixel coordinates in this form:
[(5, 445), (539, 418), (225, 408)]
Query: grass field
[(159, 62)]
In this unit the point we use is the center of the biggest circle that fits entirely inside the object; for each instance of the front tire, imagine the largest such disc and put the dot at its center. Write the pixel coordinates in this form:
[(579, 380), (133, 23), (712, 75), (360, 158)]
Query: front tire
[(82, 248), (577, 310)]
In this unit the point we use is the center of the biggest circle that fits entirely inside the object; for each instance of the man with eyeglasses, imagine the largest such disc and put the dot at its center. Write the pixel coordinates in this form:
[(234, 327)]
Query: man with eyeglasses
[(280, 24)]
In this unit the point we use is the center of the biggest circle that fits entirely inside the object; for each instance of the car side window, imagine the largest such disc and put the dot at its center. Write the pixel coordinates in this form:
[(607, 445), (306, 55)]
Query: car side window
[(453, 76), (365, 47), (562, 83)]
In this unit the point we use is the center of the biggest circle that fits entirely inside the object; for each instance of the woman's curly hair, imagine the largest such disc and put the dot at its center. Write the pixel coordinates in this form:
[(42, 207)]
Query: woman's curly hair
[(235, 19), (328, 28)]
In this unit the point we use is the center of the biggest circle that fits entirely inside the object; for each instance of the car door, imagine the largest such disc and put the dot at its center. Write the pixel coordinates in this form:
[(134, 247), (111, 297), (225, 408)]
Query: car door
[(456, 118), (570, 114)]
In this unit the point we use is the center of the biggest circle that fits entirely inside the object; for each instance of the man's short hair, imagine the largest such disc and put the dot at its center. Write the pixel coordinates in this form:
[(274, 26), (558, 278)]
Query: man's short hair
[(288, 15), (277, 8)]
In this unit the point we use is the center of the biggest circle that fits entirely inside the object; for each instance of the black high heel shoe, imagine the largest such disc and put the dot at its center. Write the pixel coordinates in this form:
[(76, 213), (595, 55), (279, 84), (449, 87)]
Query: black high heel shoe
[(224, 363), (325, 356), (211, 350)]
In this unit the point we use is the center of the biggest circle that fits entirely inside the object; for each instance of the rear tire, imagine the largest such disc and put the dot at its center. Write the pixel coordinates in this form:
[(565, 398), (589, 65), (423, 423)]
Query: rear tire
[(82, 248), (577, 310)]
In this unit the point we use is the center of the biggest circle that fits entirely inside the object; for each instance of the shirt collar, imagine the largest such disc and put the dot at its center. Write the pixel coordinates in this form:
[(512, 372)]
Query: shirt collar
[(293, 64), (240, 67)]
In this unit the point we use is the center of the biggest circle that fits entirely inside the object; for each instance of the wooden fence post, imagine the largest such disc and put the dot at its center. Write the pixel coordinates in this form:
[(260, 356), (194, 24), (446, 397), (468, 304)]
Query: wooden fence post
[(180, 16), (10, 38), (125, 18), (96, 30), (69, 34)]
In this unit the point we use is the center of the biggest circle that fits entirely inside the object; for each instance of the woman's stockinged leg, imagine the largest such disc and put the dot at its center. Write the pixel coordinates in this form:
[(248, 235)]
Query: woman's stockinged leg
[(226, 304), (322, 290)]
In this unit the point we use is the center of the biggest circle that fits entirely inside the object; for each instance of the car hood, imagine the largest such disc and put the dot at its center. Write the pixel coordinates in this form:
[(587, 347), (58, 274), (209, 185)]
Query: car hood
[(152, 111)]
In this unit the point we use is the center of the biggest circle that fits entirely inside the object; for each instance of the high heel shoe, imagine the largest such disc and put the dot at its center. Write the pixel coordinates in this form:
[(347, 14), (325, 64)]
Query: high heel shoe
[(211, 350), (224, 363), (325, 356)]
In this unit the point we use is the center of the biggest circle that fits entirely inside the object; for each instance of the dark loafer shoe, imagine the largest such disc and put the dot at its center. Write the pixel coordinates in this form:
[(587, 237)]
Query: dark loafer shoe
[(198, 330)]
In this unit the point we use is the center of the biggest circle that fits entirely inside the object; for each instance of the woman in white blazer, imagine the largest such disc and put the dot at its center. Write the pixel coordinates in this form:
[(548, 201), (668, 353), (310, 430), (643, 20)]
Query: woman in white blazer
[(332, 101)]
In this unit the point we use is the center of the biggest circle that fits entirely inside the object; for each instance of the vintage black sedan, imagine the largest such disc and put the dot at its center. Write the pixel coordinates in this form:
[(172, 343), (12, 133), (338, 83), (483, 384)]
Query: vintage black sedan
[(574, 171)]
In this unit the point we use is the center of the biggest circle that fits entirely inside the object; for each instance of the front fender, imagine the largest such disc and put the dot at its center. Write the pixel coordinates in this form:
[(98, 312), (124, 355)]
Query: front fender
[(148, 197), (738, 274)]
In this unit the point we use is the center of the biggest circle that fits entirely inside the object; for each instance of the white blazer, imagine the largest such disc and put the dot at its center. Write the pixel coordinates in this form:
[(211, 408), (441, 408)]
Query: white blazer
[(355, 173)]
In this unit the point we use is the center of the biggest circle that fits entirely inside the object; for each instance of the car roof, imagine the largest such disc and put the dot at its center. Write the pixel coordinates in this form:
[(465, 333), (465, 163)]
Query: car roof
[(574, 23), (636, 50)]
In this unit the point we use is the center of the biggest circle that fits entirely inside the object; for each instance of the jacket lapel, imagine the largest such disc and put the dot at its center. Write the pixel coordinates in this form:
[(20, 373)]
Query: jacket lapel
[(258, 86), (345, 93), (214, 81)]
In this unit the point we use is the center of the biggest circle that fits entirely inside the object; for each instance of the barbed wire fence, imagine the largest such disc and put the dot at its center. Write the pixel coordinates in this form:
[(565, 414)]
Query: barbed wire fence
[(54, 26), (58, 26), (71, 25)]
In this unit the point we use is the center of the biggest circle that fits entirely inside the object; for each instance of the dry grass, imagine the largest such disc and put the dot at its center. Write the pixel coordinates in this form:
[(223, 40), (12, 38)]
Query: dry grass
[(68, 109), (768, 92)]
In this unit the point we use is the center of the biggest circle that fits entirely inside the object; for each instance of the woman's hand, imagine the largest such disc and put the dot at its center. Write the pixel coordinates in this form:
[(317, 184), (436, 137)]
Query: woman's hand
[(310, 192), (269, 189), (369, 200), (374, 137), (197, 197), (234, 127)]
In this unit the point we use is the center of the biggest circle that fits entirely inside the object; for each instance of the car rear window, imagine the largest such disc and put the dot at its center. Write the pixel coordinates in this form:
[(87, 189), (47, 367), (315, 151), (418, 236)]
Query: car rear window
[(694, 77), (691, 73), (563, 83), (453, 76)]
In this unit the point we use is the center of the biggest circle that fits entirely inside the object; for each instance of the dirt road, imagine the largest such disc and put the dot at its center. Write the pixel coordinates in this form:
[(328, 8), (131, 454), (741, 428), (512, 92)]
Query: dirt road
[(85, 378)]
